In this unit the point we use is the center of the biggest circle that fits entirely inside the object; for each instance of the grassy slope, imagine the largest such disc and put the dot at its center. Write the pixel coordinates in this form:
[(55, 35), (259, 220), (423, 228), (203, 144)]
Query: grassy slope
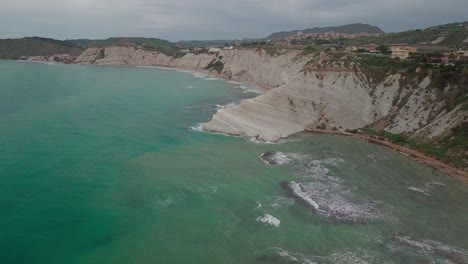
[(15, 48), (452, 33)]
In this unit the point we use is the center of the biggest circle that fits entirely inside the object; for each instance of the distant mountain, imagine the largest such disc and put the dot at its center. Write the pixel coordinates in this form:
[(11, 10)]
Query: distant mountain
[(453, 35), (36, 46), (346, 29)]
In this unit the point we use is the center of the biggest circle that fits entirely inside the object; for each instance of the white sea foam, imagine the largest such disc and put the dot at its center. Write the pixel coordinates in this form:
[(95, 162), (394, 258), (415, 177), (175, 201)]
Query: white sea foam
[(231, 104), (247, 87), (275, 158), (204, 76), (415, 189), (197, 128), (346, 257), (327, 194), (269, 220), (264, 142), (275, 202), (296, 189), (189, 87), (279, 201), (419, 190), (426, 247), (436, 183), (199, 75), (165, 203), (258, 205), (213, 189)]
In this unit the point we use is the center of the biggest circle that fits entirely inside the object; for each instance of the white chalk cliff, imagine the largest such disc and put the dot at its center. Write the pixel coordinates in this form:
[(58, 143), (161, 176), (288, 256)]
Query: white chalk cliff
[(305, 94)]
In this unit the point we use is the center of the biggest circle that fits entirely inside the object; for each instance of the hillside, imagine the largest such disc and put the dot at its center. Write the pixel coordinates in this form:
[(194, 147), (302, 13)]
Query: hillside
[(36, 46), (451, 35), (207, 43), (345, 29), (146, 43)]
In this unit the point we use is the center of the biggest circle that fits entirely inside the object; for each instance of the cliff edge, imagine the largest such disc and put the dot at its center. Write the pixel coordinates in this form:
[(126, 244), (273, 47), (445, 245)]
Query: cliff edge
[(322, 91)]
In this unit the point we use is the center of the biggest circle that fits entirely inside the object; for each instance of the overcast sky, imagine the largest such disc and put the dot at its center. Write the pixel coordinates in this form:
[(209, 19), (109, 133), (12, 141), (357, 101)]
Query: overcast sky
[(214, 19)]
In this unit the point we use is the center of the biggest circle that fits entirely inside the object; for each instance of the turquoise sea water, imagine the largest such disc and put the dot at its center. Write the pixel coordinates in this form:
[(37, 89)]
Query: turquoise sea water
[(99, 165)]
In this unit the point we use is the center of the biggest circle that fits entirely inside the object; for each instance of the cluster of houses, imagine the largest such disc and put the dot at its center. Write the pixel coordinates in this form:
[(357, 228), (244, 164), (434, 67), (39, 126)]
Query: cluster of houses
[(327, 36), (430, 53)]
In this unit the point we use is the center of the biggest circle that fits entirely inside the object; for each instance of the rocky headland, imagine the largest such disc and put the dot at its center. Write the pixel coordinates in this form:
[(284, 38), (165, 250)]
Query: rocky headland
[(320, 91)]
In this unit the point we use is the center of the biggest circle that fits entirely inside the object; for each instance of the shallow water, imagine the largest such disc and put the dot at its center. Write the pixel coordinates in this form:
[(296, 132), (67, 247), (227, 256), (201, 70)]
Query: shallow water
[(99, 165)]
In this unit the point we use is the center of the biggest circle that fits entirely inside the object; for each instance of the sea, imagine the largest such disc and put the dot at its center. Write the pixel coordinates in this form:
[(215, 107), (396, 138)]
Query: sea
[(104, 164)]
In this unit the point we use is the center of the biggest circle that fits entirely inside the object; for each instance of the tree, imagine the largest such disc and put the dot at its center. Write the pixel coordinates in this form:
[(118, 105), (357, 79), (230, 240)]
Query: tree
[(452, 56), (384, 49)]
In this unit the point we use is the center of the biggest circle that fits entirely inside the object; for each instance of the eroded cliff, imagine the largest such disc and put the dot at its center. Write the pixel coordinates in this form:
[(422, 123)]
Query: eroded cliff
[(317, 91)]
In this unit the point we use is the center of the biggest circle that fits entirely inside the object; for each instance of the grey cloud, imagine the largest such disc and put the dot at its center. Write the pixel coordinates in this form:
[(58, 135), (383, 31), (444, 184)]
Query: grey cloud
[(213, 19)]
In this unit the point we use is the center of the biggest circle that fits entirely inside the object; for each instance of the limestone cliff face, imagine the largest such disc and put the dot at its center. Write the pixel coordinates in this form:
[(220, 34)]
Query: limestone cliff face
[(304, 97), (245, 65)]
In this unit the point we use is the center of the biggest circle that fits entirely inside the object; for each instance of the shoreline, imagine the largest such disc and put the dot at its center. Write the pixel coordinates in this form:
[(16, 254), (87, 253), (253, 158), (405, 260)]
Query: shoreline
[(256, 88), (411, 153)]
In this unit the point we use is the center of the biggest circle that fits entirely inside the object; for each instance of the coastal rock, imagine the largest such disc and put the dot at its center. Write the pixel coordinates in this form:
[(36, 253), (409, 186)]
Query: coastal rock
[(275, 158), (426, 246)]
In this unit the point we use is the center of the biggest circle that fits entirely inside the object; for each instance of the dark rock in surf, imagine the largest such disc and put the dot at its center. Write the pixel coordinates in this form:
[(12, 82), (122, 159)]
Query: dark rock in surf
[(275, 158)]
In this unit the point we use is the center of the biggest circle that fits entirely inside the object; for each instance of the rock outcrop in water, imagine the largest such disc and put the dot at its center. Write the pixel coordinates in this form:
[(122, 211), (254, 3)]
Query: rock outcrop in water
[(430, 247), (307, 93)]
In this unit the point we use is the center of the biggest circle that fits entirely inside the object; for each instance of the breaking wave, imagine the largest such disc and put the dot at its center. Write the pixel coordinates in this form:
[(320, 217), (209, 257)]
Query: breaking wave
[(279, 255), (322, 192), (427, 248), (268, 219), (275, 202), (275, 158), (197, 128)]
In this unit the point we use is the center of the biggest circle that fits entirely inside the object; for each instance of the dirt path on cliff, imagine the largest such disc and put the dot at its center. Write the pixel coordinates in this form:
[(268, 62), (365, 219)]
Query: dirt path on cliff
[(414, 154)]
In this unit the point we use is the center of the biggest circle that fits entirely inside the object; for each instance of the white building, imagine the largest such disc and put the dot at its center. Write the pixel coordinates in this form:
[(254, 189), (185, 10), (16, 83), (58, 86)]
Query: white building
[(229, 48)]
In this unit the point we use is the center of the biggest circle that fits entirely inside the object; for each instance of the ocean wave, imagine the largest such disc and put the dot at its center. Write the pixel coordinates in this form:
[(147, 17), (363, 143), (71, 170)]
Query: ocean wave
[(247, 87), (170, 199), (231, 104), (269, 220), (327, 195), (427, 189), (425, 247), (377, 157), (275, 202), (204, 76), (279, 255), (166, 202), (416, 189), (197, 128)]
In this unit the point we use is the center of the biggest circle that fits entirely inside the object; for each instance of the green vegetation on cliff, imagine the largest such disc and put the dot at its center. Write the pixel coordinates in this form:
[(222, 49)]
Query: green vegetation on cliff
[(450, 35), (36, 46), (152, 44), (451, 149)]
